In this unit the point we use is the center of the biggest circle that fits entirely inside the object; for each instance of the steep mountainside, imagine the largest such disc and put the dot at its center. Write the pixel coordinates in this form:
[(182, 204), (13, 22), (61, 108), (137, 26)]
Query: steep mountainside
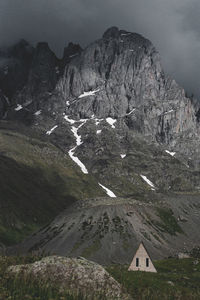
[(37, 181), (126, 127)]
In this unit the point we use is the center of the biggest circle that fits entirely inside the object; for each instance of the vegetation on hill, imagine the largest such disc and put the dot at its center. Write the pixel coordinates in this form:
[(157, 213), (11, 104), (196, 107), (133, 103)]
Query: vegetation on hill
[(176, 279), (37, 182)]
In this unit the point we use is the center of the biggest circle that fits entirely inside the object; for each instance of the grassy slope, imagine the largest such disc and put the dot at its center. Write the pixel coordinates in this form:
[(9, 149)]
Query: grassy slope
[(176, 279), (37, 181)]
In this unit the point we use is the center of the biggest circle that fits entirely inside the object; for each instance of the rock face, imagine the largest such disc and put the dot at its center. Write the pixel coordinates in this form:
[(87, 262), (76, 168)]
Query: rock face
[(74, 275), (125, 71), (14, 67), (118, 76)]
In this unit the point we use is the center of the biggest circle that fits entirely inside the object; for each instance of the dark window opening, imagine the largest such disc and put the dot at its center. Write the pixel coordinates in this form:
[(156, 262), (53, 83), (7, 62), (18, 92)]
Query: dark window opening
[(137, 262), (147, 262)]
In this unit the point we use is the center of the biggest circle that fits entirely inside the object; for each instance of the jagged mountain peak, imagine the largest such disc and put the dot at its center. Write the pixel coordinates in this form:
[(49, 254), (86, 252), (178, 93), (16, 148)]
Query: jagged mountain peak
[(126, 36), (43, 49), (42, 46), (71, 51), (112, 32)]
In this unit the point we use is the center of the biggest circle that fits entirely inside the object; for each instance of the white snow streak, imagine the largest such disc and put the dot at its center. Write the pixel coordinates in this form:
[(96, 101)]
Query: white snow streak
[(168, 112), (37, 113), (99, 131), (77, 161), (90, 93), (170, 153), (124, 34), (69, 120), (78, 143), (19, 107), (123, 155), (73, 55), (148, 182), (131, 111), (108, 192), (51, 130), (111, 121), (97, 121)]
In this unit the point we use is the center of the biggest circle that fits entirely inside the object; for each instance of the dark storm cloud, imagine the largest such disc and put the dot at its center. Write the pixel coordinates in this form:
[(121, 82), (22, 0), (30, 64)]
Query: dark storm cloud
[(172, 25)]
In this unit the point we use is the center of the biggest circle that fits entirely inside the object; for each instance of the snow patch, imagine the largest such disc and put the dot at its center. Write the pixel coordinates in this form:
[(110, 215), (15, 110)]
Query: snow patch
[(37, 113), (108, 192), (97, 121), (51, 130), (73, 55), (71, 121), (99, 131), (67, 103), (148, 182), (111, 121), (123, 155), (170, 153), (131, 112), (19, 107), (90, 93), (168, 112), (75, 132), (124, 34), (77, 161)]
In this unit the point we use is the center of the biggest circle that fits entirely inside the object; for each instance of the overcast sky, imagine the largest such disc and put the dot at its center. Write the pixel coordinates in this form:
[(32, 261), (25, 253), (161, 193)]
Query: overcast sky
[(172, 25)]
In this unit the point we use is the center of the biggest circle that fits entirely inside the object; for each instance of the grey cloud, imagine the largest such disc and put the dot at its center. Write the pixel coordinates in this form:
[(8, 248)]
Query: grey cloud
[(172, 25)]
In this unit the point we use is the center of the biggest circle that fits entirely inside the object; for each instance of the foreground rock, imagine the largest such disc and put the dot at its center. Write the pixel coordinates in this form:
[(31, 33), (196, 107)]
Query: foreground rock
[(73, 275)]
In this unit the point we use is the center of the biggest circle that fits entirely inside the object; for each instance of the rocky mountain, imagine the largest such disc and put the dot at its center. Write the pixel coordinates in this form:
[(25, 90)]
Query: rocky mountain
[(116, 118)]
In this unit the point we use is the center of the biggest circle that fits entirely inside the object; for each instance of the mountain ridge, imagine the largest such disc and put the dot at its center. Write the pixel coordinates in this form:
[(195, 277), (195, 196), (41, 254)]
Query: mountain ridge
[(128, 127)]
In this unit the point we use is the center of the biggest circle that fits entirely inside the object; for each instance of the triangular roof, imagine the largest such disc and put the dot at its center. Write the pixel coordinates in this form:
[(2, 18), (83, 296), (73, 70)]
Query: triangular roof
[(141, 263)]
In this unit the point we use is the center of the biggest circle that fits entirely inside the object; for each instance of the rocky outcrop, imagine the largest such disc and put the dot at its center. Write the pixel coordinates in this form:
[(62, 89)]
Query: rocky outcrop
[(4, 104), (123, 77), (118, 76), (15, 63), (71, 51), (74, 275)]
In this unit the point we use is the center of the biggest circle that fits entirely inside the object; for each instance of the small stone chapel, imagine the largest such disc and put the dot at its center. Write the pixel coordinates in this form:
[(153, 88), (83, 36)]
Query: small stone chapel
[(142, 261)]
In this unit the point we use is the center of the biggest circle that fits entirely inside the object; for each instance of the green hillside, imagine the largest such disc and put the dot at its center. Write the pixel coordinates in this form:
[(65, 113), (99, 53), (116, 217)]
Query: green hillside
[(37, 181)]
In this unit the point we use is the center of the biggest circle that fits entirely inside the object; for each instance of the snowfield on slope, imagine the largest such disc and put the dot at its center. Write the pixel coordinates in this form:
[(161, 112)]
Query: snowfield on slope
[(71, 152), (19, 107), (51, 130), (170, 153), (148, 182), (108, 192), (111, 121), (90, 93)]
